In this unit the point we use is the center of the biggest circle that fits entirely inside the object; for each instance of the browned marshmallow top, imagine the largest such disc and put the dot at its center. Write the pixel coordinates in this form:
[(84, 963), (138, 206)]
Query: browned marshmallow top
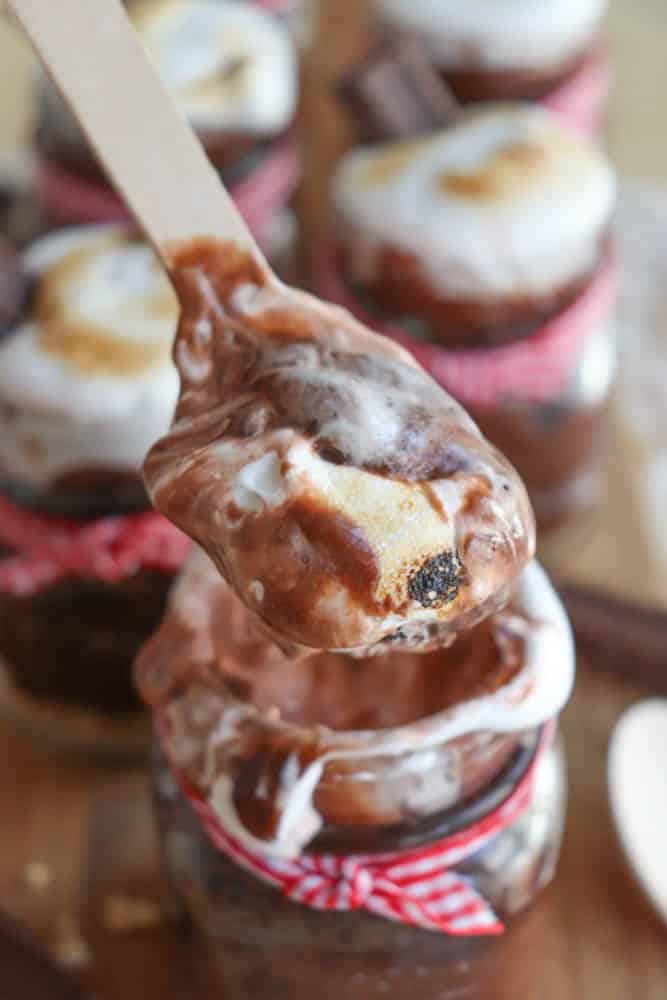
[(346, 498)]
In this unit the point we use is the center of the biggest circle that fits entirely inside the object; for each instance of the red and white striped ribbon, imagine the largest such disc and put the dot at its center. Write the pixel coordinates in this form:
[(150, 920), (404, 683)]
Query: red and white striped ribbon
[(417, 887), (582, 100), (534, 368), (107, 549), (69, 198)]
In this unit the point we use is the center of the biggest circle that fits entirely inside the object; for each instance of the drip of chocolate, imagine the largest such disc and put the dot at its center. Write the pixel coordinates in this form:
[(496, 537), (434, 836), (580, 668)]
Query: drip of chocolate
[(394, 92), (27, 971), (13, 287)]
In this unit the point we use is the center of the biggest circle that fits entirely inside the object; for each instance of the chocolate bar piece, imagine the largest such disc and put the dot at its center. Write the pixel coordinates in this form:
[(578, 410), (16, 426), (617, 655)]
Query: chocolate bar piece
[(27, 971), (394, 92), (622, 639)]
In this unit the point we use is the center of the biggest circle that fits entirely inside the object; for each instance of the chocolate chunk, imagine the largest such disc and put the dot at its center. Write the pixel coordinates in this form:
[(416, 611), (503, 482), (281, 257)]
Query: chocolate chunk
[(394, 92), (13, 287), (438, 580)]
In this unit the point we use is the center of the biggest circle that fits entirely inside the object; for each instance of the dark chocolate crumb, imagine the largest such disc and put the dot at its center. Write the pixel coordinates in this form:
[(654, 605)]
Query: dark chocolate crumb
[(438, 581)]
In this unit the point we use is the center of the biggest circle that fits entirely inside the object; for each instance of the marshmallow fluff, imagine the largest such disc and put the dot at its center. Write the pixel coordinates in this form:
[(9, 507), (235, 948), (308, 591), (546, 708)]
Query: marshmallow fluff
[(231, 65), (223, 694), (497, 34), (343, 494), (507, 202), (86, 377)]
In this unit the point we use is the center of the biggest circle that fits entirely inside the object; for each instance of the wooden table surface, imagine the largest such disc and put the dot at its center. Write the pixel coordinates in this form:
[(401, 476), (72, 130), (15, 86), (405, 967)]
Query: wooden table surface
[(591, 936)]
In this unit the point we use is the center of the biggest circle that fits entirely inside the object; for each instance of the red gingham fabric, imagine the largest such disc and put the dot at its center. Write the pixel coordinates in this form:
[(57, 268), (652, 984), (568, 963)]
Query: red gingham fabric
[(109, 549), (582, 101), (417, 887), (71, 198), (534, 368)]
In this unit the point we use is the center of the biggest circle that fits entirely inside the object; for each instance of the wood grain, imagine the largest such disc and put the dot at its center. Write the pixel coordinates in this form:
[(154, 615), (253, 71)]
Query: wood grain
[(591, 937)]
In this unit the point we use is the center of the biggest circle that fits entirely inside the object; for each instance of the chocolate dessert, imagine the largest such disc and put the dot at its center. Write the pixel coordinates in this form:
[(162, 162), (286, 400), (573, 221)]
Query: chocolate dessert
[(347, 499), (485, 249), (477, 234), (231, 703), (351, 758), (506, 51), (86, 385), (231, 66)]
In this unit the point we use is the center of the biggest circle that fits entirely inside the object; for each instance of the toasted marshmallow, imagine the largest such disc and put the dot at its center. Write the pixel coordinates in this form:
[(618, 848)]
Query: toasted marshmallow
[(343, 494), (502, 34), (230, 65), (507, 202), (86, 379), (297, 715)]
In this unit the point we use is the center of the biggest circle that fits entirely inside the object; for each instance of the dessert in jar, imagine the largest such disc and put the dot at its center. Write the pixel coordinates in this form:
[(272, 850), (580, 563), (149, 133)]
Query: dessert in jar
[(86, 385), (549, 51), (486, 249), (355, 696), (232, 67), (347, 826)]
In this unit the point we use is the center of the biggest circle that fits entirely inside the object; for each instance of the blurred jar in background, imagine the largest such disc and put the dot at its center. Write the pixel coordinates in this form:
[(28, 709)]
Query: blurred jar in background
[(86, 386), (304, 805), (551, 51), (486, 250), (233, 68)]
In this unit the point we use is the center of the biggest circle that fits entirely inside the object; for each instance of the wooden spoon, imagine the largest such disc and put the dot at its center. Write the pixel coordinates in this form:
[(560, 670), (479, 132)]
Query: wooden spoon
[(149, 151)]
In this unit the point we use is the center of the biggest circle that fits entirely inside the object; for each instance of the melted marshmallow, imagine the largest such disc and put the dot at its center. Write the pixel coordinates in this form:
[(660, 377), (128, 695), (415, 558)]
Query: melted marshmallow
[(87, 381), (230, 65), (343, 494), (497, 34), (507, 202), (207, 637)]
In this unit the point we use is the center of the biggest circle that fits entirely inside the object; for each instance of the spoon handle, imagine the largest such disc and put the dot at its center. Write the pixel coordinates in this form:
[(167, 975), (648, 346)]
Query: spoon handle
[(151, 154)]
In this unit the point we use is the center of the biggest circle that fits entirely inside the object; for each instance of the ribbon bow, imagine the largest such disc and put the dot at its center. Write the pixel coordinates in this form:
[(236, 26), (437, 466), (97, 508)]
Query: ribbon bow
[(107, 549), (417, 887)]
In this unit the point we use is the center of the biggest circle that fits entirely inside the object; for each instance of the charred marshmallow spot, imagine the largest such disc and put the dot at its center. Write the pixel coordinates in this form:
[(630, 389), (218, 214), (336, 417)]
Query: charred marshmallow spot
[(438, 581)]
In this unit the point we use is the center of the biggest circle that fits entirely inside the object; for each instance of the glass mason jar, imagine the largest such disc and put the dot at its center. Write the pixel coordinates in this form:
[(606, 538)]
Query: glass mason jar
[(253, 943), (66, 651)]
